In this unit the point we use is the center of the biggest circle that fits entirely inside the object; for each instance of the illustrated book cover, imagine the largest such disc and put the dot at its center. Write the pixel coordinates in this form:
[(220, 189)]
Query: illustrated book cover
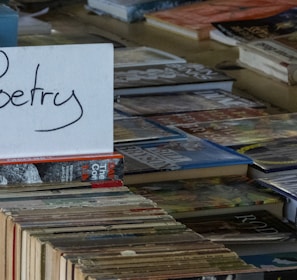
[(180, 159), (173, 77), (134, 56), (272, 158), (242, 227), (277, 24), (184, 101), (132, 10), (62, 169), (244, 131), (207, 196), (195, 20), (139, 129), (275, 58), (175, 119)]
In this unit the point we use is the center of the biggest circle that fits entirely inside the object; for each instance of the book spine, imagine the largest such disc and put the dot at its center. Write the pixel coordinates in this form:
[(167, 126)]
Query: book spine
[(93, 170)]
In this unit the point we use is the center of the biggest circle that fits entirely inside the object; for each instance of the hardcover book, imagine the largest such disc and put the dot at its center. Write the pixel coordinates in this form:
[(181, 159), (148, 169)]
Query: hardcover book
[(242, 227), (139, 129), (179, 102), (180, 159), (275, 57), (245, 131), (173, 77), (260, 28), (272, 158), (208, 196), (195, 20), (61, 169), (132, 10), (134, 56)]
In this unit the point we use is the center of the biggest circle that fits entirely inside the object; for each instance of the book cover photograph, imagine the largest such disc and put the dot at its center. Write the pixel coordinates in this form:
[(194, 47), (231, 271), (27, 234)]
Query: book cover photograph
[(180, 102), (193, 157), (266, 27), (81, 168), (138, 129), (172, 77), (204, 196), (244, 131), (242, 227)]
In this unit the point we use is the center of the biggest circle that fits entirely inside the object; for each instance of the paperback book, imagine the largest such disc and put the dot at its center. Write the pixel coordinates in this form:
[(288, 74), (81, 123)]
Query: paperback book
[(195, 20), (172, 78), (208, 196), (277, 24), (244, 131), (285, 185), (275, 57), (62, 169), (139, 129), (242, 227), (179, 159), (272, 158), (187, 118), (137, 56), (184, 101), (132, 10)]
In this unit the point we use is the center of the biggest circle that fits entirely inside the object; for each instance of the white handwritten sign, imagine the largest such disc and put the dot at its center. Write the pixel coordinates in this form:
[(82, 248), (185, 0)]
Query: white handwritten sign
[(56, 100)]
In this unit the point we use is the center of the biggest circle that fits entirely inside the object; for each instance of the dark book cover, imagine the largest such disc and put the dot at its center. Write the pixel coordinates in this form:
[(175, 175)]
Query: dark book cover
[(246, 30), (242, 227), (172, 77)]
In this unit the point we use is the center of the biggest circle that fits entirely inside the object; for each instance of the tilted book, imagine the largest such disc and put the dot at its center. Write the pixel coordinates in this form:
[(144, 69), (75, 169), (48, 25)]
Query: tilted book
[(183, 101), (277, 157), (179, 159), (208, 196), (275, 57), (245, 131), (62, 169), (195, 20), (173, 77), (132, 10)]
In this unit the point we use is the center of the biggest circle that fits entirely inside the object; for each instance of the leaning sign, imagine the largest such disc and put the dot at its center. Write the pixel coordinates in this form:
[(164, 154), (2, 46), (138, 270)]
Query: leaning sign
[(56, 100)]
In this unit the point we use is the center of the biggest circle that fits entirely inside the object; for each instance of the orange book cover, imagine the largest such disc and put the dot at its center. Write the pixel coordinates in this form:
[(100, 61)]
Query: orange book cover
[(194, 20)]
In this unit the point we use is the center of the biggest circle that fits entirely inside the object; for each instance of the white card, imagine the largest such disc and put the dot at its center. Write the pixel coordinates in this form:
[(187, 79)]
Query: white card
[(56, 100)]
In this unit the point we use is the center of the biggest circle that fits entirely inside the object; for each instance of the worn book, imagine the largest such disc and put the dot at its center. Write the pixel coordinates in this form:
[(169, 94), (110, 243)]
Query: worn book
[(62, 169), (277, 24), (184, 101), (272, 158), (180, 159), (142, 55), (242, 227), (195, 20), (175, 119), (286, 185), (132, 10), (275, 58), (213, 195), (139, 129), (168, 78), (245, 131)]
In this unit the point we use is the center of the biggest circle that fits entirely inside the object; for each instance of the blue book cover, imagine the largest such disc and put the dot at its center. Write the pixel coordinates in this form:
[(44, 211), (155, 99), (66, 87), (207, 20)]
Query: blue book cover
[(190, 154)]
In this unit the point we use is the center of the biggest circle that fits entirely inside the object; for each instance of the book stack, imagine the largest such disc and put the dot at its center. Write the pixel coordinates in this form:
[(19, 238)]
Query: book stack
[(102, 233)]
